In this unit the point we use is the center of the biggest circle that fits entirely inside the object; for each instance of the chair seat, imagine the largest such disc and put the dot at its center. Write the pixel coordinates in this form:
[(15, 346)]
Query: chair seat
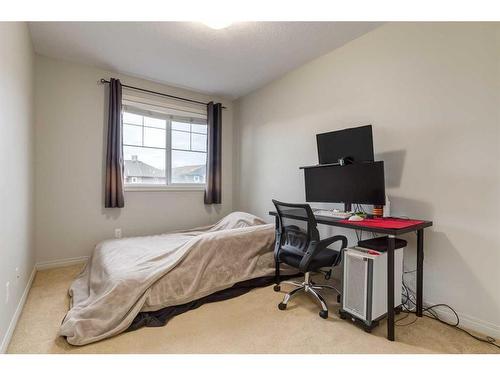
[(325, 258)]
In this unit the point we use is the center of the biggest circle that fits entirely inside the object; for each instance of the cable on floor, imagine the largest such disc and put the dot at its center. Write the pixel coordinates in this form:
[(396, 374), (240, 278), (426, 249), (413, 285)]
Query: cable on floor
[(410, 299)]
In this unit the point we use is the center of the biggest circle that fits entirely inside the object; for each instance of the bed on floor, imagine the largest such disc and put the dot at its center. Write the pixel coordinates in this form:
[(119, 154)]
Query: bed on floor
[(131, 282)]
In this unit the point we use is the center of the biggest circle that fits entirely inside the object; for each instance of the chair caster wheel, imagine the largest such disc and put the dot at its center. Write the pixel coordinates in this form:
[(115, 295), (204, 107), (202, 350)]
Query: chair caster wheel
[(277, 288), (323, 314), (342, 315), (282, 306), (338, 298)]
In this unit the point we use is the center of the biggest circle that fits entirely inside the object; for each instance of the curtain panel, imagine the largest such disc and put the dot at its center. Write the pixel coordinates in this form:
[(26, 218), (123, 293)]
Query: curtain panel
[(213, 191), (113, 193)]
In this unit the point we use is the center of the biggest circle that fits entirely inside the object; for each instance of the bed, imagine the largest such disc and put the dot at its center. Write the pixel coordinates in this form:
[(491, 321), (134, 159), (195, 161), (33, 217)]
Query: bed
[(127, 281)]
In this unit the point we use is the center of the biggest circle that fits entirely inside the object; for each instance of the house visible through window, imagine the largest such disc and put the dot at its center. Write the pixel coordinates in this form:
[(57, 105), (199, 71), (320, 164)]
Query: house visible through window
[(161, 149)]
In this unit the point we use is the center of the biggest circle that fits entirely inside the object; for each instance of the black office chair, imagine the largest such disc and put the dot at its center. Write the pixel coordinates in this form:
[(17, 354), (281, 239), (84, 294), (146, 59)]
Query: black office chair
[(303, 249)]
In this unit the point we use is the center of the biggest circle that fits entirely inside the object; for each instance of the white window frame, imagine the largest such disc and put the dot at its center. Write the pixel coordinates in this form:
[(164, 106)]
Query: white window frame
[(168, 186)]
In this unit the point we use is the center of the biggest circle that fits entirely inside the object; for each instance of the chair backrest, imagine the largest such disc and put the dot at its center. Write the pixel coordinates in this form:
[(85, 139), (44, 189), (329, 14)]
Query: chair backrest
[(297, 226)]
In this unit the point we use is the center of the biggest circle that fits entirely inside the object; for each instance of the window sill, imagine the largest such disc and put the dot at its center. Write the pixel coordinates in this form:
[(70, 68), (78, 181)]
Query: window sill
[(165, 188)]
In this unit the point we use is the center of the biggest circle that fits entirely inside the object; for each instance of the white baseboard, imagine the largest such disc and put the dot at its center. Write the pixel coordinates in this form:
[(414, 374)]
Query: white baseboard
[(468, 322), (17, 313), (38, 267), (60, 263)]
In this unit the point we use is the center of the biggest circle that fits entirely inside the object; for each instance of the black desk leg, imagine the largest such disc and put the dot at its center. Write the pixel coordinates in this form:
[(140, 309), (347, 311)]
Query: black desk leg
[(390, 287), (420, 270)]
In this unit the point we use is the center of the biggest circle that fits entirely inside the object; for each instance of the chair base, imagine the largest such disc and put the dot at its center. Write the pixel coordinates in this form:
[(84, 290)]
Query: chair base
[(309, 287)]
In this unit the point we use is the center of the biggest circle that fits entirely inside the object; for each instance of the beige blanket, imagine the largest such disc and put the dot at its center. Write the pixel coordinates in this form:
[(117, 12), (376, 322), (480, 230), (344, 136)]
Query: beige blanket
[(126, 276)]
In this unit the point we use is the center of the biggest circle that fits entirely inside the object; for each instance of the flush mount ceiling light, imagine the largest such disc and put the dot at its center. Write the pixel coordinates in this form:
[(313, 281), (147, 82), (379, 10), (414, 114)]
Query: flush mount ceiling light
[(217, 24)]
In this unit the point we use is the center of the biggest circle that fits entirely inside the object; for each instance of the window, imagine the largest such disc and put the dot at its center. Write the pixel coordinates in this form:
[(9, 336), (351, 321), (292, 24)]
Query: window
[(163, 150)]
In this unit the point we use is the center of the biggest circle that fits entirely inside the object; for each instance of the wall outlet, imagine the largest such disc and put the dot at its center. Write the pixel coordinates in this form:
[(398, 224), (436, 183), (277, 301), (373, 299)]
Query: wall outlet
[(118, 233), (7, 292)]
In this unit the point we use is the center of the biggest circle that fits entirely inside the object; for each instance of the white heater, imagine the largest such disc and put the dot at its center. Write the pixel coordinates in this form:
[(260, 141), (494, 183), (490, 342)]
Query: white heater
[(364, 284)]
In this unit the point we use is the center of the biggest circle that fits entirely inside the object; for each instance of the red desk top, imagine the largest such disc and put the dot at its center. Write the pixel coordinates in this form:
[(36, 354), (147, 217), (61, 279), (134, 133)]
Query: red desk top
[(385, 222)]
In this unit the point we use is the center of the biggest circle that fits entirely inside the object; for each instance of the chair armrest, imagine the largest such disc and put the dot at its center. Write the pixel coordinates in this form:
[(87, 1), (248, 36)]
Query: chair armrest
[(328, 241), (315, 247)]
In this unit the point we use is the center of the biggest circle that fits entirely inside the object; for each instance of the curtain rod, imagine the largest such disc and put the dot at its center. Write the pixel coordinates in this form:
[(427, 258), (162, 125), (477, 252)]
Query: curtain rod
[(159, 93)]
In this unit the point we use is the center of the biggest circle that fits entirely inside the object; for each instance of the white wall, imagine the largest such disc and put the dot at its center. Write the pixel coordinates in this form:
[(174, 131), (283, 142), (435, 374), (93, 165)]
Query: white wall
[(432, 93), (16, 159), (70, 134)]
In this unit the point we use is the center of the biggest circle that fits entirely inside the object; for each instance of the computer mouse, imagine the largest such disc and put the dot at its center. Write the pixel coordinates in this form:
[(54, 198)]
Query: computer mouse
[(355, 218)]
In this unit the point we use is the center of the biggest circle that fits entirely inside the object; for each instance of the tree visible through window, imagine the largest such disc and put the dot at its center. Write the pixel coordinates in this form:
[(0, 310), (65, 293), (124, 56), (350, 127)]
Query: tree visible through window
[(159, 149)]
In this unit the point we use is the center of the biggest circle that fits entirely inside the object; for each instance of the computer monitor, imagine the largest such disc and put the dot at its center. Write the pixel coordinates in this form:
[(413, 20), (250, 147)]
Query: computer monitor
[(354, 183), (353, 144)]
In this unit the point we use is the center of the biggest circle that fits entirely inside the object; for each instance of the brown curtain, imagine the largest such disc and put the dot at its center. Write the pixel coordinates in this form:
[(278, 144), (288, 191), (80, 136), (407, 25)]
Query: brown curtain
[(214, 155), (114, 156)]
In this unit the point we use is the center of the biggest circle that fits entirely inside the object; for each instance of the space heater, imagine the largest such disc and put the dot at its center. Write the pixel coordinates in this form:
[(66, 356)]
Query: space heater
[(364, 286)]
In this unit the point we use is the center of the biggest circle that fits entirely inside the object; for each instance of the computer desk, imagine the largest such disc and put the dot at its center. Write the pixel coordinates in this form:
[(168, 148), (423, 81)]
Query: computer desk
[(392, 233)]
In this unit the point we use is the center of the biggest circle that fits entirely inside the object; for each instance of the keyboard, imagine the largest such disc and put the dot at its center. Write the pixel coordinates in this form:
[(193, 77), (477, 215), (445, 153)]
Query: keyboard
[(334, 214)]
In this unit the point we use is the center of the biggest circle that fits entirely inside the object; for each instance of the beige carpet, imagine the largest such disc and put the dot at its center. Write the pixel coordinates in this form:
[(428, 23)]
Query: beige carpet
[(250, 323)]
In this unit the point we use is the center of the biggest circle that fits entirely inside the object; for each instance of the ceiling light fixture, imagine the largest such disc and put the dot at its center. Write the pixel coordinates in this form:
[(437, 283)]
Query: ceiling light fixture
[(217, 24)]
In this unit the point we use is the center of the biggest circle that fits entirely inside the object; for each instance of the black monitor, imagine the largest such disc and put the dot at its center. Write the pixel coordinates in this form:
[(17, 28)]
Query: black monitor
[(354, 183), (353, 144)]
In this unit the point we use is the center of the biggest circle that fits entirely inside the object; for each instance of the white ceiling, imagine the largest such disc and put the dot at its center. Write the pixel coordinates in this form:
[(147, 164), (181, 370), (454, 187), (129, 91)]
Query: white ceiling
[(229, 62)]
